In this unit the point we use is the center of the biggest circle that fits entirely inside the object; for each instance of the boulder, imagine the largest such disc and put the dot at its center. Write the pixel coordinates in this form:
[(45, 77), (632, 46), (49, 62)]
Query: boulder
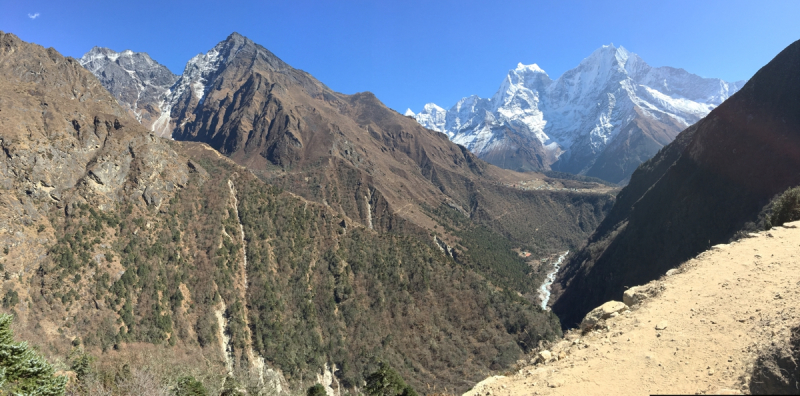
[(637, 294), (545, 356), (593, 318)]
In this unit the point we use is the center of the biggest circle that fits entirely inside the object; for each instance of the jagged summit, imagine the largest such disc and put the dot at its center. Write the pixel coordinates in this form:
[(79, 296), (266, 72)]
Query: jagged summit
[(602, 118), (532, 68), (235, 52), (150, 91), (136, 80)]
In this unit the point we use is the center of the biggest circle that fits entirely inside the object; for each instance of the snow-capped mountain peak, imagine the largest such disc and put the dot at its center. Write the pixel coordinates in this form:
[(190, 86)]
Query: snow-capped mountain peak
[(534, 68), (135, 79), (409, 113), (570, 122), (433, 118)]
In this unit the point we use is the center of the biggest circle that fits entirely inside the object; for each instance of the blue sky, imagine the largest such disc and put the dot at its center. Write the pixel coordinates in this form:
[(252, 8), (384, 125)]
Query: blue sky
[(413, 52)]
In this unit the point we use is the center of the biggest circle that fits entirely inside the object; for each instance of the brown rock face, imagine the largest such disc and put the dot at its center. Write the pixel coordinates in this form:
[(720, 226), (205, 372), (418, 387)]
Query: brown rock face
[(65, 140), (777, 369), (696, 192)]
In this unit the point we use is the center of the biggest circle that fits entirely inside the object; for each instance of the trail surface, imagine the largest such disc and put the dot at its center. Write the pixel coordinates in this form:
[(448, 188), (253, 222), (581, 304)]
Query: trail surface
[(714, 313)]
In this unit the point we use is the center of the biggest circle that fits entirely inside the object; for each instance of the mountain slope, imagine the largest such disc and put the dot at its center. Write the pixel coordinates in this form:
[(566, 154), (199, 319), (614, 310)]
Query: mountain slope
[(138, 82), (698, 191), (133, 245), (602, 118)]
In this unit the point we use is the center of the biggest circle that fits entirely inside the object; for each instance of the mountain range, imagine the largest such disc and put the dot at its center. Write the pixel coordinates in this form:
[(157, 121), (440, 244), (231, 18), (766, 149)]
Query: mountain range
[(601, 119), (287, 127), (288, 235), (245, 225)]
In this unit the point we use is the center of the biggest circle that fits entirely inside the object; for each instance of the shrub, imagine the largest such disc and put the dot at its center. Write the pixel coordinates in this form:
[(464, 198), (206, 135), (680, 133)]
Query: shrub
[(316, 390), (786, 208), (189, 386), (386, 382), (10, 299)]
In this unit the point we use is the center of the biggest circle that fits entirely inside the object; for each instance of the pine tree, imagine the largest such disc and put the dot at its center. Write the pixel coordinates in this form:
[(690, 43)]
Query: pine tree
[(387, 382), (22, 370)]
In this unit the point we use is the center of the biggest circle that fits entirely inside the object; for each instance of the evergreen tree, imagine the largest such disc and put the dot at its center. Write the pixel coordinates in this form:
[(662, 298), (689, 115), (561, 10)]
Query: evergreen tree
[(387, 382), (189, 386), (316, 390), (22, 370)]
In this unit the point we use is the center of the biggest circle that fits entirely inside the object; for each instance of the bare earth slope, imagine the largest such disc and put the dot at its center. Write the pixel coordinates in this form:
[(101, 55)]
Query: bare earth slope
[(720, 310)]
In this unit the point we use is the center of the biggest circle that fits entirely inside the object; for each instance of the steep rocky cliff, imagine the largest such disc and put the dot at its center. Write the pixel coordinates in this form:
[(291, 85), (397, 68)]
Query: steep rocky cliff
[(696, 192)]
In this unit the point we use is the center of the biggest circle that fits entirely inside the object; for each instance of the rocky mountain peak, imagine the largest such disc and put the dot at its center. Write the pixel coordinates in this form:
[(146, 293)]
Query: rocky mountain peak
[(137, 81), (608, 54), (533, 68)]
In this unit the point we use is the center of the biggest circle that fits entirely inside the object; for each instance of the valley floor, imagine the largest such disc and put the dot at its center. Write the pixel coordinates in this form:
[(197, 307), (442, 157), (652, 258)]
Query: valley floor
[(718, 311)]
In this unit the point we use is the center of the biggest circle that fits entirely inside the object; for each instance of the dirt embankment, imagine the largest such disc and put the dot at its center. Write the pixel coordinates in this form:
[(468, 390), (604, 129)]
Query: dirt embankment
[(700, 331)]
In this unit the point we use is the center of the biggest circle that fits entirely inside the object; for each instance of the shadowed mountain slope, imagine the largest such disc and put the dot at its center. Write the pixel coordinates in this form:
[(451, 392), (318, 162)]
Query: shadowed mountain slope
[(696, 192)]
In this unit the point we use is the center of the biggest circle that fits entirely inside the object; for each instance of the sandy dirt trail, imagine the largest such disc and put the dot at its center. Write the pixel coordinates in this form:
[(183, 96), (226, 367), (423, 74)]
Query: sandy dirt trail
[(717, 310)]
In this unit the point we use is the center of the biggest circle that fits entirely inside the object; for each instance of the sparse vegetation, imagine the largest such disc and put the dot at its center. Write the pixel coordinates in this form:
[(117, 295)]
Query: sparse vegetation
[(319, 293)]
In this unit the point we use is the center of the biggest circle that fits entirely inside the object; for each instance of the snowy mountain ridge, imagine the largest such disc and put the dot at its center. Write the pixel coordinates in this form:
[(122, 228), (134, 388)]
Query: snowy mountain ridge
[(612, 102)]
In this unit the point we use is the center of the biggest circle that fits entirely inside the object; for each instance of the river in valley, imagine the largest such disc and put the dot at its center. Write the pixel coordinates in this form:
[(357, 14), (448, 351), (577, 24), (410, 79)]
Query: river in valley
[(544, 289)]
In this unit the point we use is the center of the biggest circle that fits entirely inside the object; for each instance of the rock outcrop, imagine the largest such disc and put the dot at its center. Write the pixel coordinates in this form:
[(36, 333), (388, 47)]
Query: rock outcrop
[(65, 141), (603, 312), (777, 369)]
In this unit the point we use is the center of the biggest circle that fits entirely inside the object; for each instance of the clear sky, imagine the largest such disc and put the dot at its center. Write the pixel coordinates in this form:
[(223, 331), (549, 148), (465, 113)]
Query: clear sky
[(413, 52)]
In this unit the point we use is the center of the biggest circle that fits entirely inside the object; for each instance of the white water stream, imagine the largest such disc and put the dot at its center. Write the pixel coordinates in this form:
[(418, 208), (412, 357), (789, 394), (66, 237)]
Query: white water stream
[(544, 289)]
